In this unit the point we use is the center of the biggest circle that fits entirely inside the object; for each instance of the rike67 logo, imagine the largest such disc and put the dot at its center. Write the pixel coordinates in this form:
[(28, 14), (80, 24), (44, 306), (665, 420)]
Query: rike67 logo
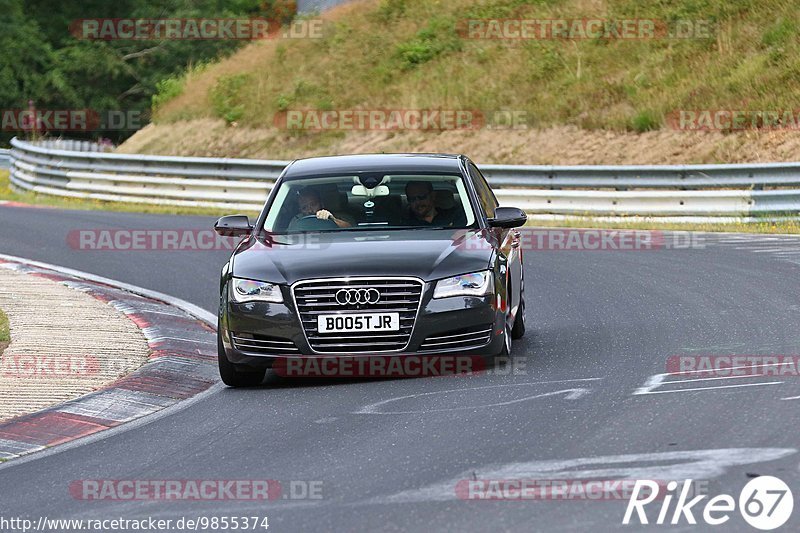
[(765, 503)]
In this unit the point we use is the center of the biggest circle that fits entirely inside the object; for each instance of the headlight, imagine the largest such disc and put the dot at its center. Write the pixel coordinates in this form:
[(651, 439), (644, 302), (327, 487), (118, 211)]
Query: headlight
[(476, 284), (245, 290)]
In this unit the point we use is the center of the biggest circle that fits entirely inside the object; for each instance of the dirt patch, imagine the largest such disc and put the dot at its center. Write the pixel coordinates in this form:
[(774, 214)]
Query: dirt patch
[(563, 145)]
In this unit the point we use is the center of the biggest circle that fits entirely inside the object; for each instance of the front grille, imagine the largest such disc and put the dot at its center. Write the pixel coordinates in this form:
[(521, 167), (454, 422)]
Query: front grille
[(318, 297), (463, 339), (262, 345)]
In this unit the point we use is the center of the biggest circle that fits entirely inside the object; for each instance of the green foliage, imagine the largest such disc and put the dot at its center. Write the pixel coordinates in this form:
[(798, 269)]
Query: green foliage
[(166, 90), (645, 120), (410, 54), (226, 97), (389, 10), (500, 9), (43, 61), (781, 33), (4, 329), (437, 38), (283, 102)]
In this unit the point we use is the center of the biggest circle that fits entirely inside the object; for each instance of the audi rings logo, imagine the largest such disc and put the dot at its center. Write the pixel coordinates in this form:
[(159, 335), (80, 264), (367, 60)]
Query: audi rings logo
[(357, 296)]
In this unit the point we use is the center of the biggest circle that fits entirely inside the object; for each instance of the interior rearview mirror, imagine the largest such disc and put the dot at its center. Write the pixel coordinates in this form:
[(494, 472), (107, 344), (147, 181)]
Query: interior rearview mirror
[(360, 190)]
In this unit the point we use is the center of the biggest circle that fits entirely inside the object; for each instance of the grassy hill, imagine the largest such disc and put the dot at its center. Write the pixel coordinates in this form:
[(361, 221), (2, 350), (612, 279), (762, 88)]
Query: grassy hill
[(598, 100)]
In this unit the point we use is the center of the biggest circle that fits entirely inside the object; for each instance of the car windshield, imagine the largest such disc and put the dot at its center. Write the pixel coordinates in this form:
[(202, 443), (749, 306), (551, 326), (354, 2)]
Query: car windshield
[(370, 201)]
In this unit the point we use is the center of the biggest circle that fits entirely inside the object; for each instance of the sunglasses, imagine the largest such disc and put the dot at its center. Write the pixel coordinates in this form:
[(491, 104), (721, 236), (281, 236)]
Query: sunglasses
[(418, 197)]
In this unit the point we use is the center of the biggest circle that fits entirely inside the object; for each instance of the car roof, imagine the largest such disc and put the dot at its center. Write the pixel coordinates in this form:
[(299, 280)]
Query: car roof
[(365, 163)]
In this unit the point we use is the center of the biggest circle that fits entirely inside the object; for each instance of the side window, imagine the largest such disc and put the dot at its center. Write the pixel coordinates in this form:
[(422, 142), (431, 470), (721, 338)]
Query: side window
[(485, 194)]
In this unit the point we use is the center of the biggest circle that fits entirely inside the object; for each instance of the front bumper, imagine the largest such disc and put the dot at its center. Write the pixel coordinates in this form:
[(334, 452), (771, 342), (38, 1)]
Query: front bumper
[(475, 322)]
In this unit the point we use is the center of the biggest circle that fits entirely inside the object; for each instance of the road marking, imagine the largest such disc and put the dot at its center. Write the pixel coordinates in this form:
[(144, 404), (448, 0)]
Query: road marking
[(657, 380), (690, 464), (571, 394), (711, 388), (710, 379)]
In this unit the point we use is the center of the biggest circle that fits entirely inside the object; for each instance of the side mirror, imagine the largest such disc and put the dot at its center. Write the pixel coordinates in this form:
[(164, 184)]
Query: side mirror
[(233, 226), (508, 217)]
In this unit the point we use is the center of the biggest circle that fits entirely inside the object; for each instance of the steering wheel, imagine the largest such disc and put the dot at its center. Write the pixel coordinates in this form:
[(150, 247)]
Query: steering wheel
[(311, 223)]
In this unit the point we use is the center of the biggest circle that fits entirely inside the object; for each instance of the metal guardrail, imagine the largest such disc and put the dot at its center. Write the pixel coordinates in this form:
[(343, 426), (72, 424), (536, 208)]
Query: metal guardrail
[(83, 170)]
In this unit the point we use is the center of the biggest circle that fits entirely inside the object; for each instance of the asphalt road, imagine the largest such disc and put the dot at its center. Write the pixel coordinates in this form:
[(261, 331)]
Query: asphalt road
[(601, 324)]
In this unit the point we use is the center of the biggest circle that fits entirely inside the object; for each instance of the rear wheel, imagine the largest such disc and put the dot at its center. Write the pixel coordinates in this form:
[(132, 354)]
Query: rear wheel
[(233, 377)]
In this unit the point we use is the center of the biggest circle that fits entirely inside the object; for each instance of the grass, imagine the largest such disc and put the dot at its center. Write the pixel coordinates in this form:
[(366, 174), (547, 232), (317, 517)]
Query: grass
[(777, 227), (4, 331), (6, 193), (410, 54)]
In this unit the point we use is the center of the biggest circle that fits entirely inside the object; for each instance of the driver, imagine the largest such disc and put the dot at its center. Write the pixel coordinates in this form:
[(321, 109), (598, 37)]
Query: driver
[(310, 204)]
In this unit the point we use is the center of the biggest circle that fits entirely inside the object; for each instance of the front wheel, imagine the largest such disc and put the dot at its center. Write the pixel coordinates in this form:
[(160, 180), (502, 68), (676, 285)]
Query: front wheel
[(519, 321), (507, 344), (233, 377)]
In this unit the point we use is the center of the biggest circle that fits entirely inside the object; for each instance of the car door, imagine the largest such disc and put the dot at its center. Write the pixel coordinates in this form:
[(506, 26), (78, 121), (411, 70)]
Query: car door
[(509, 239)]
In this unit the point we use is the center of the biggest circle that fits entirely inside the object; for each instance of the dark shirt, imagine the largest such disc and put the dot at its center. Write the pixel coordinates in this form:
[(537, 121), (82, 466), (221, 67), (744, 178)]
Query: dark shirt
[(444, 218)]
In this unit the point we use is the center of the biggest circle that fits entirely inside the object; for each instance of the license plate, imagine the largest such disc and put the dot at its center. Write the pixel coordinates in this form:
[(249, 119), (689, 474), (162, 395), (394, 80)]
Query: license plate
[(349, 323)]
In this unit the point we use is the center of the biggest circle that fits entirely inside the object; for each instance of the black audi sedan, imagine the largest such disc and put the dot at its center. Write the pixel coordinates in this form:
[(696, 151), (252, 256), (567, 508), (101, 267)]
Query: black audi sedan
[(371, 255)]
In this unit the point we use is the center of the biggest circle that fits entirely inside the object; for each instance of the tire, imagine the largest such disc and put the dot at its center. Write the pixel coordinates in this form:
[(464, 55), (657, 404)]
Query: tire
[(519, 321), (233, 377), (518, 330), (507, 344)]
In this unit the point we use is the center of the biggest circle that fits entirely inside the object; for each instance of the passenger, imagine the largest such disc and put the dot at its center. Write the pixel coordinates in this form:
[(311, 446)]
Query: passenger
[(422, 209), (310, 203)]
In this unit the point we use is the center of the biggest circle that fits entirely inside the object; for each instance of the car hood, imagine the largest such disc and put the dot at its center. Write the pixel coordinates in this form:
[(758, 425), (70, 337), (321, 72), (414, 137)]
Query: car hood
[(423, 253)]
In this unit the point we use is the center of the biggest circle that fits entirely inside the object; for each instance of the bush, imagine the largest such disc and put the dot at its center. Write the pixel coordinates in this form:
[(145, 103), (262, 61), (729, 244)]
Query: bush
[(437, 38), (166, 90), (645, 121), (226, 97)]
